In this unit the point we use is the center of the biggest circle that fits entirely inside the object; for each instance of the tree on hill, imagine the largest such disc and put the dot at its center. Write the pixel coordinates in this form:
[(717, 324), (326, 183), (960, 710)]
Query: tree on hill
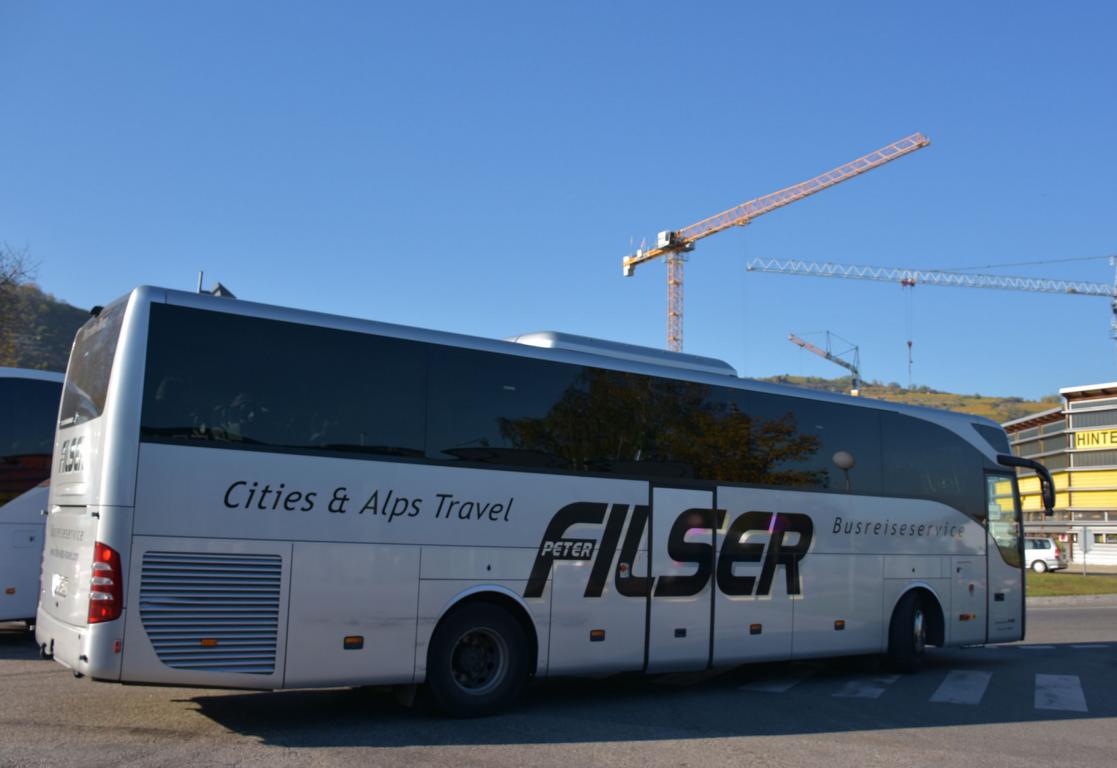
[(15, 270), (36, 329)]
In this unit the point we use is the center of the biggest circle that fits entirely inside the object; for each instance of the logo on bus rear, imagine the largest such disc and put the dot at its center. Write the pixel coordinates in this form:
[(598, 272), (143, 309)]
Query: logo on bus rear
[(69, 459)]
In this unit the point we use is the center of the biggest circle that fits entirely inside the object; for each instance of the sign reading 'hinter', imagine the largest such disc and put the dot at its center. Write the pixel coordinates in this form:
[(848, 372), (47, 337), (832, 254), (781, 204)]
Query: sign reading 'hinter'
[(1095, 439)]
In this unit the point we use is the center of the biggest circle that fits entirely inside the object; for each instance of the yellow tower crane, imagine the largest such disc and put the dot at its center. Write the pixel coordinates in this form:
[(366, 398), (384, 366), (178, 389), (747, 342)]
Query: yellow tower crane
[(675, 243)]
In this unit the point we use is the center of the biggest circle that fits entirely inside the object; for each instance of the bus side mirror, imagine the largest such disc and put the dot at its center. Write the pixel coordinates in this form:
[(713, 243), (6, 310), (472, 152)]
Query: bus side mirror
[(1046, 482)]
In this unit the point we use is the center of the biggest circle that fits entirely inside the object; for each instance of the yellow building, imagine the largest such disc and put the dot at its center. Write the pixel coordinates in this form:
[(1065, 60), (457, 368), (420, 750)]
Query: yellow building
[(1078, 443)]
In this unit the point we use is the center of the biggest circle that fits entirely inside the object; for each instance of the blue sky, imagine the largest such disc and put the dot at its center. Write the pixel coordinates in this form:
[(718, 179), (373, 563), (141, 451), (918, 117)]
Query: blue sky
[(483, 167)]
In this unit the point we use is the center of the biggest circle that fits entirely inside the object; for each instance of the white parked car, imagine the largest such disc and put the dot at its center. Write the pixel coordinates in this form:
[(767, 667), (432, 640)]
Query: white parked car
[(1044, 555)]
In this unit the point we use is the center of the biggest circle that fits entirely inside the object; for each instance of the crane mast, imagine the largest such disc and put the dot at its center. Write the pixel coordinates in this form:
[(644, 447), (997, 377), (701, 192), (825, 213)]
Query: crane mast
[(674, 244)]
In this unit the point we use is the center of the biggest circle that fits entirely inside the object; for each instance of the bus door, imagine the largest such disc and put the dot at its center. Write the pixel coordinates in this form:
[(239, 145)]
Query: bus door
[(683, 529), (1006, 557), (752, 606)]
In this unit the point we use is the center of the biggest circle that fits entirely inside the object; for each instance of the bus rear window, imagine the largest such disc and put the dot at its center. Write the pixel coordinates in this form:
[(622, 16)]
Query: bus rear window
[(87, 376)]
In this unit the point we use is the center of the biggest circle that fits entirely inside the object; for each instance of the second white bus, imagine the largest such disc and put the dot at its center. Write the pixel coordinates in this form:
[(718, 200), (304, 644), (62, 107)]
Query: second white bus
[(28, 407), (257, 497)]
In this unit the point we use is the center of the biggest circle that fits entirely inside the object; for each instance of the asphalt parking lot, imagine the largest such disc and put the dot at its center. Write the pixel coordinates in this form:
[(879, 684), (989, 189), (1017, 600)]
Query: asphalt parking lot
[(1049, 701)]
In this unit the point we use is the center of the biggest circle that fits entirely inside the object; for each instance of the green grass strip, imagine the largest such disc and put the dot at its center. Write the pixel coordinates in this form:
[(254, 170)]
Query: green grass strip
[(1059, 584)]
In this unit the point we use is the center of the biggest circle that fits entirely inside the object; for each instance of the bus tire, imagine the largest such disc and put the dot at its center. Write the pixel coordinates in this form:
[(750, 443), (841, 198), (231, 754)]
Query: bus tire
[(907, 634), (478, 661)]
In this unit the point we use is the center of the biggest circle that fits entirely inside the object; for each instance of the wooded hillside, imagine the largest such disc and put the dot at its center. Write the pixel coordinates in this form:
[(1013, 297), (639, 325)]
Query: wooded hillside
[(999, 409), (40, 331)]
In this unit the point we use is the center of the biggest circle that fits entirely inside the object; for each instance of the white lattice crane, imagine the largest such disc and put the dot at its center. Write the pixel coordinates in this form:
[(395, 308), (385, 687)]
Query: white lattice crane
[(909, 278), (675, 243), (912, 277), (853, 367)]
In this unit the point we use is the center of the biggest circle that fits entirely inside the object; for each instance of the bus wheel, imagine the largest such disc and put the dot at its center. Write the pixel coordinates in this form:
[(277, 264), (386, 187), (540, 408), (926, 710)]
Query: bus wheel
[(907, 634), (477, 662)]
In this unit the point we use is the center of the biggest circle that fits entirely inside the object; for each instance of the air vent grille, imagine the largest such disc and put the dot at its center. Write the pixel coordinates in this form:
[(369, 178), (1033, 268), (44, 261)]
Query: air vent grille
[(212, 612)]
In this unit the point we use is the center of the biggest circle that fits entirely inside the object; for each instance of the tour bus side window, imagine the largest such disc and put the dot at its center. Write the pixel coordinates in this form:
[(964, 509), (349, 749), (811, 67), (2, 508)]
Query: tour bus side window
[(650, 426), (924, 460), (507, 410), (718, 435), (682, 429), (812, 444), (28, 408), (238, 381), (8, 483), (521, 412), (34, 406)]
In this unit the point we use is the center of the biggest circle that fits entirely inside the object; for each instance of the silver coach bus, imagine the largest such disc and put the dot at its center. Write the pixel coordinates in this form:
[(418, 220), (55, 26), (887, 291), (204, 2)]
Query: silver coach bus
[(257, 497)]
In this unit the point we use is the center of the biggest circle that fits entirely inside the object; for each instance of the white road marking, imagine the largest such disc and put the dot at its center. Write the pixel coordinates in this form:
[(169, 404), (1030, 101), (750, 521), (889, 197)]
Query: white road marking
[(962, 686), (1088, 645), (871, 688), (1062, 692), (776, 684)]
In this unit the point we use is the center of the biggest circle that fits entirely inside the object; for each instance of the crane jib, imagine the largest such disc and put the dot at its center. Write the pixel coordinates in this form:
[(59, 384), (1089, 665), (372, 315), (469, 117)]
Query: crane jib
[(931, 277), (741, 214)]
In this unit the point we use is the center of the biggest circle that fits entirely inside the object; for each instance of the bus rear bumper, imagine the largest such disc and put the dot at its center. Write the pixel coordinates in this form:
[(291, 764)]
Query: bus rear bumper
[(88, 650)]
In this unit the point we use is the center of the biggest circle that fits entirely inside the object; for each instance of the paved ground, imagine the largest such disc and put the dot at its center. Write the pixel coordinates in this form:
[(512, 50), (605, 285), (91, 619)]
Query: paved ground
[(1049, 701)]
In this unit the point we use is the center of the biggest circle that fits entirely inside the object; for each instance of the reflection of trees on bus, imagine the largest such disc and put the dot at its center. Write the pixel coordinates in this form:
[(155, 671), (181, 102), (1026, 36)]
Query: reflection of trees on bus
[(621, 422), (21, 473)]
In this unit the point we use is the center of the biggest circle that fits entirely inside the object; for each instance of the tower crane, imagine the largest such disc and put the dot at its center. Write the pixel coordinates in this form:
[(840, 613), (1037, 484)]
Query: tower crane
[(909, 278), (854, 368), (913, 277), (674, 244)]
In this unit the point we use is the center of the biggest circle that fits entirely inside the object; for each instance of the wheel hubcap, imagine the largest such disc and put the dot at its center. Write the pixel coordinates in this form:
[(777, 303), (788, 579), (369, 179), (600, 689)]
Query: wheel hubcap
[(479, 660), (918, 631)]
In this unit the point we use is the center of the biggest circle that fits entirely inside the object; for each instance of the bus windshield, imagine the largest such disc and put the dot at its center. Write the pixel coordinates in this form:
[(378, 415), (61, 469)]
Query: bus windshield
[(87, 378)]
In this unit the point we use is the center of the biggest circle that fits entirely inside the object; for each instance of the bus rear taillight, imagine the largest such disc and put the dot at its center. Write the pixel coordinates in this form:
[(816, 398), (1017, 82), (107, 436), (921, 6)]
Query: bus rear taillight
[(105, 593)]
